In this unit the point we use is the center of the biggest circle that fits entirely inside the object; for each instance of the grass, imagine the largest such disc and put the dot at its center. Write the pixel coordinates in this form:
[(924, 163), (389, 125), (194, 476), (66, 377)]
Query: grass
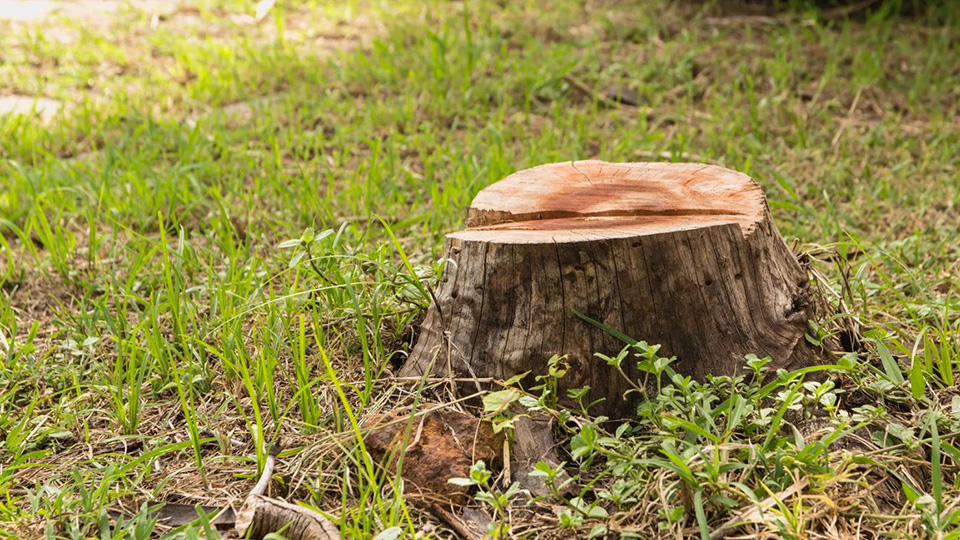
[(183, 279)]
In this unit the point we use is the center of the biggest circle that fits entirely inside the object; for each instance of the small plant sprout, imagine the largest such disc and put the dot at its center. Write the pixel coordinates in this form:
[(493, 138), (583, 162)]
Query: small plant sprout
[(303, 248), (480, 479)]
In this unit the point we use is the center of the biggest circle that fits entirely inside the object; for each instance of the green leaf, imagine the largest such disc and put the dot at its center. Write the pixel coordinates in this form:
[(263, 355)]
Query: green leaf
[(890, 365), (936, 476), (322, 235), (679, 465), (621, 336), (512, 381), (405, 259), (389, 534), (675, 514), (591, 511), (950, 450), (901, 432), (497, 402), (917, 385), (671, 421), (733, 419), (701, 514), (542, 468), (778, 417), (946, 360), (598, 530), (499, 423), (488, 498), (479, 473), (787, 377), (461, 482), (583, 442), (295, 260)]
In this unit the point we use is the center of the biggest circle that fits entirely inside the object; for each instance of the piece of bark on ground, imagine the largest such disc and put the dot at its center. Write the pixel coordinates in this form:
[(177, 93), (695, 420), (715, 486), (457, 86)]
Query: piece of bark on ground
[(533, 442), (260, 516), (439, 445)]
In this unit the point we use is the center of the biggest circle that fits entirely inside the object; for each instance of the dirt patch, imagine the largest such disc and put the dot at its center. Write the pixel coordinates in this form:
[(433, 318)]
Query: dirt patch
[(42, 107)]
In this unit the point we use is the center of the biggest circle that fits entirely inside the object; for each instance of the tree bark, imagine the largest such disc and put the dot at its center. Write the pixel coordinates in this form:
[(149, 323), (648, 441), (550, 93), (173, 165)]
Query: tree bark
[(261, 516), (681, 255)]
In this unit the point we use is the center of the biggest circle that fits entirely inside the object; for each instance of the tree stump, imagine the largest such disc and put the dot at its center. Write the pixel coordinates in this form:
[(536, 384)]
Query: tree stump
[(678, 254)]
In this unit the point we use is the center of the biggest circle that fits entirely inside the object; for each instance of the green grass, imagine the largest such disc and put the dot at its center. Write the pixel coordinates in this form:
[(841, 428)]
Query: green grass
[(157, 327)]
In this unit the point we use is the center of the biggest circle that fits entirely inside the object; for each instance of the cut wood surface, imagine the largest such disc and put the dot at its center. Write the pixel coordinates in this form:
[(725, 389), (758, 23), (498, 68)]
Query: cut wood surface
[(614, 200), (678, 254)]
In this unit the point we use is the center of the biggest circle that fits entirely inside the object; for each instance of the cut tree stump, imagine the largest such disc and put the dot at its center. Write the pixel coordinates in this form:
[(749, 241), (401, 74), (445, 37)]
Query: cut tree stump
[(678, 254)]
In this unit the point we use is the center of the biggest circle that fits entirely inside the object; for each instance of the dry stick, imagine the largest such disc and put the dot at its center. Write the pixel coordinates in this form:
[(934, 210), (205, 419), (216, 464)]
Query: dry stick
[(453, 521), (443, 379), (841, 12), (740, 20), (613, 103), (587, 91), (264, 481)]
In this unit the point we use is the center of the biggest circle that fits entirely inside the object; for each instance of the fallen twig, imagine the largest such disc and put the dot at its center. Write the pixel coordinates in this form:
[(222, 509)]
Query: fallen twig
[(452, 521), (841, 12), (602, 99)]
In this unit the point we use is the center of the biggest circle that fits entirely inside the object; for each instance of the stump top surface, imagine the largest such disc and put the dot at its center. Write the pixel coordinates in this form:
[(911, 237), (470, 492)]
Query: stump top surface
[(588, 200)]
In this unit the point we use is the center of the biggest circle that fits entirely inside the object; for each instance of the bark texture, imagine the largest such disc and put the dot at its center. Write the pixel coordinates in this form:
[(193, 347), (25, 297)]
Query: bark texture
[(261, 516), (682, 255)]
